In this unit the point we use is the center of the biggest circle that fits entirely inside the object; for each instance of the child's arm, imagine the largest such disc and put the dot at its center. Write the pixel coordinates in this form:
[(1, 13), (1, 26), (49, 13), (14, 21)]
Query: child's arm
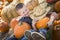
[(19, 17), (33, 24), (53, 17), (51, 21)]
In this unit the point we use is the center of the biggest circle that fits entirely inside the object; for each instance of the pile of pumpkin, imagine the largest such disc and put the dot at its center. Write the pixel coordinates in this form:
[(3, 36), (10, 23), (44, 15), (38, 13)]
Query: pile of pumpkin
[(20, 27)]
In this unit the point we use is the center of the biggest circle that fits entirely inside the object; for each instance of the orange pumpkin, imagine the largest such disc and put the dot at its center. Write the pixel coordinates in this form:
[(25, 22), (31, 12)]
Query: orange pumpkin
[(0, 13), (13, 23), (20, 29), (3, 26), (3, 0), (42, 23), (56, 22), (9, 0)]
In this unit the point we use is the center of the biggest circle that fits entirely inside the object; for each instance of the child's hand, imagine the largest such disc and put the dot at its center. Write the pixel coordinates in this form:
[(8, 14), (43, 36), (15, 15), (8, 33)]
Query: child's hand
[(53, 17), (18, 18), (50, 23)]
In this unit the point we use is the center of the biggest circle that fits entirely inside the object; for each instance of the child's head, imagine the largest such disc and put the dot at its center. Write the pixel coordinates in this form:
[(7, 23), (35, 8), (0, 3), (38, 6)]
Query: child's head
[(22, 9)]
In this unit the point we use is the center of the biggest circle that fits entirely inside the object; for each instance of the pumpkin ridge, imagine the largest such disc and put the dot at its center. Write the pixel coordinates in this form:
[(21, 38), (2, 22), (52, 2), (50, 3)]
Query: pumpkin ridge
[(7, 15), (10, 14)]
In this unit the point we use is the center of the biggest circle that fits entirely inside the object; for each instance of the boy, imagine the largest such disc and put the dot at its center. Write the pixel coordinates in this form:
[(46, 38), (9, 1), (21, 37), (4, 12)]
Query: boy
[(23, 11)]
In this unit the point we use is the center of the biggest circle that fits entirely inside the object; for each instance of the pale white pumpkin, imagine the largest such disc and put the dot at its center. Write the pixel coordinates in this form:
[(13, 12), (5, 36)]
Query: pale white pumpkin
[(9, 11)]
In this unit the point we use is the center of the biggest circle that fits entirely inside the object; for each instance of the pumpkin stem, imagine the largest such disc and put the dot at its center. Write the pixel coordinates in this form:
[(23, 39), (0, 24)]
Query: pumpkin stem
[(20, 23)]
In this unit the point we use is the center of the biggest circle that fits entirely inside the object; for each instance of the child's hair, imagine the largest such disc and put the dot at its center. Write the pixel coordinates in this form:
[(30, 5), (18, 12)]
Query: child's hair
[(19, 6), (27, 20)]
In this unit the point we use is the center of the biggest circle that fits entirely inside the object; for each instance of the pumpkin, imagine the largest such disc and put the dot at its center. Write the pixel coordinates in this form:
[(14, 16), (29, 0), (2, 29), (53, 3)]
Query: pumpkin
[(58, 15), (42, 23), (13, 23), (7, 15), (29, 6), (56, 22), (9, 12), (9, 0), (3, 26), (32, 4), (20, 29), (3, 0), (0, 13), (21, 1), (57, 6)]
